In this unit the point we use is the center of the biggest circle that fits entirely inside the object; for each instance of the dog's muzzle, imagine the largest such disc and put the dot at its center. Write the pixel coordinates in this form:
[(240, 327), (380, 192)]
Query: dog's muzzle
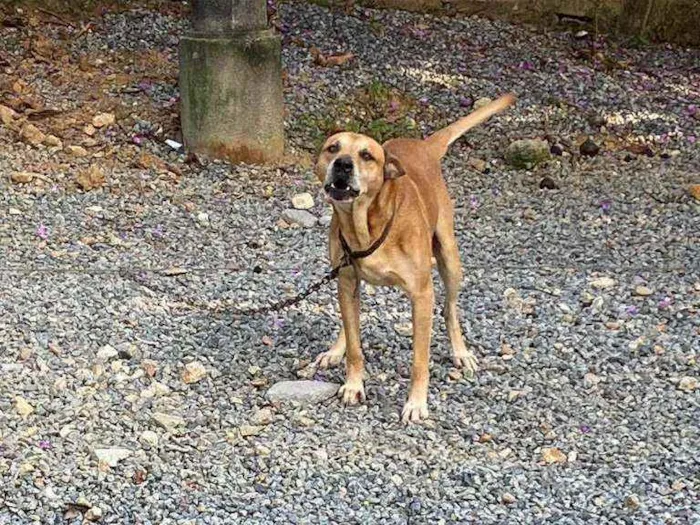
[(340, 183)]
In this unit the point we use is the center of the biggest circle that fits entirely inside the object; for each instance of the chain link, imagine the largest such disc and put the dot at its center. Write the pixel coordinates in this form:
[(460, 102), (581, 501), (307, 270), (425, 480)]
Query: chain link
[(290, 301)]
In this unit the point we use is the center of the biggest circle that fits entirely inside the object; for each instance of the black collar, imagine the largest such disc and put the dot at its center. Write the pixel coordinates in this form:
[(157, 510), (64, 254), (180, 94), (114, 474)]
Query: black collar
[(361, 254)]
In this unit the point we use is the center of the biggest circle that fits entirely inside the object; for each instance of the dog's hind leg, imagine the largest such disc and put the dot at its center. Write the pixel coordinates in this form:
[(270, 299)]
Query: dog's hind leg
[(450, 268), (335, 355)]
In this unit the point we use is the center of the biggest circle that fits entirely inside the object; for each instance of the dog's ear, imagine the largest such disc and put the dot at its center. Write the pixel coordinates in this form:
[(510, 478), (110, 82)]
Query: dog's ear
[(392, 167)]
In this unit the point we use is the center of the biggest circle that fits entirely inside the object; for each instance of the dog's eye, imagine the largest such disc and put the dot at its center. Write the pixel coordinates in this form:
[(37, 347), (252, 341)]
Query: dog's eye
[(333, 148), (366, 155)]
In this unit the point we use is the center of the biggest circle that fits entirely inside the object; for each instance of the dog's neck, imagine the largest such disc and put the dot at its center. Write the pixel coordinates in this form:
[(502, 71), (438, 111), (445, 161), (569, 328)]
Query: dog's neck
[(364, 220)]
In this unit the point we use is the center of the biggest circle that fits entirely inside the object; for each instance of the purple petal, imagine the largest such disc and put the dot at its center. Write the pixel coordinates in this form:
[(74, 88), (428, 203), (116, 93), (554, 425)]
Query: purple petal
[(45, 444), (42, 232), (466, 102)]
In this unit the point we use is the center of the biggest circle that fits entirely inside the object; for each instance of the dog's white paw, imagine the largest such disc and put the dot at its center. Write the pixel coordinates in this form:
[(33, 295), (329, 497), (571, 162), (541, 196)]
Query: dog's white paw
[(352, 393), (330, 358), (414, 411), (467, 360)]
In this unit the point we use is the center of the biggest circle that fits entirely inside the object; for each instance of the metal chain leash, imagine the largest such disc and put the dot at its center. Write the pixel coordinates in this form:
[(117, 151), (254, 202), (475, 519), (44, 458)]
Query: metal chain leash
[(348, 257), (290, 301)]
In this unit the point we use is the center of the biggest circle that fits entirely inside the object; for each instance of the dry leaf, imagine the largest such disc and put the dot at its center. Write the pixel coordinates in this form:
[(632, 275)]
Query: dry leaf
[(694, 191), (151, 162), (553, 455), (22, 177), (91, 178), (193, 372), (103, 119), (150, 367), (330, 60)]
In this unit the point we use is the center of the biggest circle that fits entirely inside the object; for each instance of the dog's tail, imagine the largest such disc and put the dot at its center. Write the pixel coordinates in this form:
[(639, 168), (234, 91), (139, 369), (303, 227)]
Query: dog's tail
[(439, 141)]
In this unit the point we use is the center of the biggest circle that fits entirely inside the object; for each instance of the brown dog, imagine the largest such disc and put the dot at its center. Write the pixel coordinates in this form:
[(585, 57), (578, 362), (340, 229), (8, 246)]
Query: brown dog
[(391, 200)]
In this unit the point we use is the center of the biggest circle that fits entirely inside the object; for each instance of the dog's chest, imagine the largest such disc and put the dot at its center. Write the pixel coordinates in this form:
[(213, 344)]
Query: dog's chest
[(377, 271)]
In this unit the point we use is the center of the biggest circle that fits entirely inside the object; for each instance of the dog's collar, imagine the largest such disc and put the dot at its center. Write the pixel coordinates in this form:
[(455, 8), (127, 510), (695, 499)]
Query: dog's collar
[(361, 254)]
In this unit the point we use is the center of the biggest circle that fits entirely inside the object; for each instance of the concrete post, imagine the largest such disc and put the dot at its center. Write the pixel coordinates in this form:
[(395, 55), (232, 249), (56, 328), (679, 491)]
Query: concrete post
[(231, 82)]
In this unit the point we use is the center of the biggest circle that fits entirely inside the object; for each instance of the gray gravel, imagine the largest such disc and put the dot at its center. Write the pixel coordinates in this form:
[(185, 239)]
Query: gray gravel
[(567, 361)]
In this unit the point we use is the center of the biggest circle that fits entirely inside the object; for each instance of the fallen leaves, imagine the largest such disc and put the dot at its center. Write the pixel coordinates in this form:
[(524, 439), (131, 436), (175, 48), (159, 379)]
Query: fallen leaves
[(22, 177), (91, 178), (76, 151), (193, 372), (103, 120), (552, 455), (330, 60), (151, 162), (694, 191), (7, 115), (32, 135)]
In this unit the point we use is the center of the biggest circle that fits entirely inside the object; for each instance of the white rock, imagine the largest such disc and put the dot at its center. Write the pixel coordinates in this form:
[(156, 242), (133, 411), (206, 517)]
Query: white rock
[(300, 217), (23, 407), (688, 384), (173, 144), (264, 416), (404, 329), (168, 422), (590, 380), (111, 456), (302, 392), (106, 353), (150, 438), (598, 304), (250, 430), (303, 201), (603, 283), (94, 514)]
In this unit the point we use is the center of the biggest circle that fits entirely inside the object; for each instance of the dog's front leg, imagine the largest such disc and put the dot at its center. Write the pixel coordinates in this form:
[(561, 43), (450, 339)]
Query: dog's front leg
[(422, 302), (353, 390)]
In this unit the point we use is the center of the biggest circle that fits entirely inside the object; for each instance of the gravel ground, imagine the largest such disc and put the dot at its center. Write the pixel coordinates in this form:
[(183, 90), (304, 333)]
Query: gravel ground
[(585, 409)]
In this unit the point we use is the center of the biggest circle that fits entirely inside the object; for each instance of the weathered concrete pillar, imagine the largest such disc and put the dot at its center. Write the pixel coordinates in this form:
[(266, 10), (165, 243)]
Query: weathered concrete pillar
[(231, 82)]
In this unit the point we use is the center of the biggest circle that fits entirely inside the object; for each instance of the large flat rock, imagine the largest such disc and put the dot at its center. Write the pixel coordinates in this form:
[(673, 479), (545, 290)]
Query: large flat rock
[(302, 392)]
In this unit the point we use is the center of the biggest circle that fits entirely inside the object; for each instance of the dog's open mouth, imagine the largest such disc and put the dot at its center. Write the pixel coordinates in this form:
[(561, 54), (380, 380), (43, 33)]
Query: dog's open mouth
[(341, 194)]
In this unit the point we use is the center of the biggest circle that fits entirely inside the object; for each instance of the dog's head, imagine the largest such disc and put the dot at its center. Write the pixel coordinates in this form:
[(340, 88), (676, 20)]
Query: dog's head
[(352, 166)]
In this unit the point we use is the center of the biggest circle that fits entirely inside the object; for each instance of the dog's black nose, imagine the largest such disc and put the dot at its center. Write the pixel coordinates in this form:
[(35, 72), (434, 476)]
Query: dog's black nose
[(343, 165)]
